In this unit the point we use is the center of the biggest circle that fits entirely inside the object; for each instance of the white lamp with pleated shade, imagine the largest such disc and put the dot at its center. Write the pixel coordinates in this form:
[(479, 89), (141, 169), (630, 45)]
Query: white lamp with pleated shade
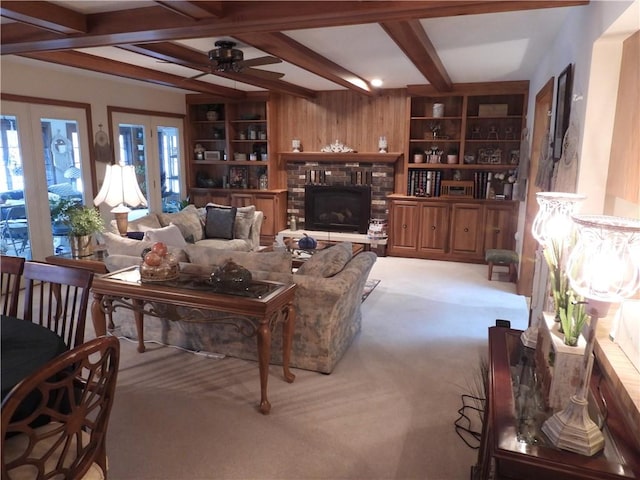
[(120, 190)]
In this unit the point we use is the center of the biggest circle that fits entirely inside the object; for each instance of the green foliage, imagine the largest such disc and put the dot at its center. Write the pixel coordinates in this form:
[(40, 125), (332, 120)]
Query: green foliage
[(569, 305), (80, 219)]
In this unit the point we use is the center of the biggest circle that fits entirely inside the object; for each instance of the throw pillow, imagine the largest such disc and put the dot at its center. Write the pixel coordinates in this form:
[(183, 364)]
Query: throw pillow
[(328, 262), (144, 223), (220, 223), (135, 235), (171, 236), (117, 245), (244, 218), (187, 220)]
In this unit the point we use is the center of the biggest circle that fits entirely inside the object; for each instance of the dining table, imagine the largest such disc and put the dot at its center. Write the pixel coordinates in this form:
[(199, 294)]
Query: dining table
[(25, 347)]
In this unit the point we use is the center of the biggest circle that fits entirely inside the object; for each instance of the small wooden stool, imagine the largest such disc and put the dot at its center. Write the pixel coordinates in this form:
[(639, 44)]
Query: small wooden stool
[(497, 256)]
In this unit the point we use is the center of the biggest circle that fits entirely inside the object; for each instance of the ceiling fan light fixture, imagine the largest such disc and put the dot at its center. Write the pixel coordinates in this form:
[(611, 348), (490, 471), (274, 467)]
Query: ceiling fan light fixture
[(231, 67), (225, 55)]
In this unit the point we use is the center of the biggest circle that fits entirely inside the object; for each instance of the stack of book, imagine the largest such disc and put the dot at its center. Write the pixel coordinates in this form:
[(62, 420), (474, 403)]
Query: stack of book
[(424, 183), (482, 184)]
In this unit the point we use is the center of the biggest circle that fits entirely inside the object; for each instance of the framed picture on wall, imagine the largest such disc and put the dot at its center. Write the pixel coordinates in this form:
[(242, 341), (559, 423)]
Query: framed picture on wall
[(563, 110), (238, 177)]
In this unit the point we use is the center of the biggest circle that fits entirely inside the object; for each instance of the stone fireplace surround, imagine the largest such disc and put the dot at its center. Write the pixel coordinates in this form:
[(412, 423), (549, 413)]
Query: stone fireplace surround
[(334, 170)]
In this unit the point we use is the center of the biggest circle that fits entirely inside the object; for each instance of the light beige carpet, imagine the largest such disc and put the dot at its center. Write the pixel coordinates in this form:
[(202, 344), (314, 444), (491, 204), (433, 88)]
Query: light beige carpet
[(386, 412)]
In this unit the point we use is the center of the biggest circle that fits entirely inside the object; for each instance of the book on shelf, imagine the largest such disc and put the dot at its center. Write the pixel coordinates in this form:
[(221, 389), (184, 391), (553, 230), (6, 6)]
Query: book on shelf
[(488, 185), (424, 183)]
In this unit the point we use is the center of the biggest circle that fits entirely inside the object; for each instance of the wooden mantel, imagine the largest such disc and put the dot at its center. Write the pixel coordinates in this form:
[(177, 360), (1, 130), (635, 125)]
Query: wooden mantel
[(337, 157)]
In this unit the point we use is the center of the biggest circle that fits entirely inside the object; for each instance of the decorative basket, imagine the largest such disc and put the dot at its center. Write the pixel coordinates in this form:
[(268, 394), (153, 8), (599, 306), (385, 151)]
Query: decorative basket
[(164, 272)]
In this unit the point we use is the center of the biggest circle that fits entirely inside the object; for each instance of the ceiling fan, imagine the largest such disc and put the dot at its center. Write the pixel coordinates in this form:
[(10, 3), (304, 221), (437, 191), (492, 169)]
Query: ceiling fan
[(226, 58)]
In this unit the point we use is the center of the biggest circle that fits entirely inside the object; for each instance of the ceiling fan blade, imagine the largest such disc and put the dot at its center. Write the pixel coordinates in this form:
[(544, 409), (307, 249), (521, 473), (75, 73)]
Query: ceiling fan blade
[(267, 75), (198, 75), (254, 62)]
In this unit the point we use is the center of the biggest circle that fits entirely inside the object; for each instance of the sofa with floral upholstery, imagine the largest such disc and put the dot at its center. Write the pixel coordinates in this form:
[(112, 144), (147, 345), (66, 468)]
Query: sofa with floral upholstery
[(215, 226), (327, 304)]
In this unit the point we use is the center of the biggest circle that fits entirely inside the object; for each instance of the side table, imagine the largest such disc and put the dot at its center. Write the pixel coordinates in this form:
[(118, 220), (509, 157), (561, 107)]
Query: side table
[(95, 262)]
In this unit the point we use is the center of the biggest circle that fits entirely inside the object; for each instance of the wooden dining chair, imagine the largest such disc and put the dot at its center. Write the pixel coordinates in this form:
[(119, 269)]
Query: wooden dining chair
[(10, 275), (57, 298), (76, 391)]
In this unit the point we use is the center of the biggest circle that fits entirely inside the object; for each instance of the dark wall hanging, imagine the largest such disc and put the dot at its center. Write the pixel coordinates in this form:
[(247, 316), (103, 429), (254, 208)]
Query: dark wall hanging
[(563, 109)]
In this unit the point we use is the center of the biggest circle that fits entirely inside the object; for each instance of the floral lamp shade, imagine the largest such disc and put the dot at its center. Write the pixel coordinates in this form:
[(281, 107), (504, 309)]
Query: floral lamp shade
[(553, 220), (604, 265)]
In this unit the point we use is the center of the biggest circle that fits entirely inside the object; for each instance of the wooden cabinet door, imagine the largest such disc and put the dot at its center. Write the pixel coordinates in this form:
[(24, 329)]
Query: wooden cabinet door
[(404, 226), (267, 205), (500, 226), (200, 197), (466, 229), (274, 207), (434, 227), (242, 199)]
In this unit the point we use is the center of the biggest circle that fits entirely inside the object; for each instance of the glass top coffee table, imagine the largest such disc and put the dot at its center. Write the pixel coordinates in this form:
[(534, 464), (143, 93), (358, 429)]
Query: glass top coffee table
[(255, 310)]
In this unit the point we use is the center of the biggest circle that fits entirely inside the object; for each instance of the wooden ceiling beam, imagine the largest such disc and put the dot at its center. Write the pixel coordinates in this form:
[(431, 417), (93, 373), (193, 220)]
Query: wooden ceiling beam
[(121, 69), (414, 42), (193, 10), (45, 15), (187, 57), (152, 24), (289, 50)]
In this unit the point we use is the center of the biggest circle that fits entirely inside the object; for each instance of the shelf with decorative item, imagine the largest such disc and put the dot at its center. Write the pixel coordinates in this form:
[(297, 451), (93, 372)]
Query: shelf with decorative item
[(460, 166), (374, 157)]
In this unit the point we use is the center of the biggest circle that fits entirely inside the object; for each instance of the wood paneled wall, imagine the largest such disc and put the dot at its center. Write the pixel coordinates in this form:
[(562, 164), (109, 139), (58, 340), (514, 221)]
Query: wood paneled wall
[(623, 180), (355, 120)]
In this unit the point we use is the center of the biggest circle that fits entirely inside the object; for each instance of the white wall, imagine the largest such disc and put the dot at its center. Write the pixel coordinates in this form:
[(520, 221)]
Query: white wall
[(20, 76), (591, 39)]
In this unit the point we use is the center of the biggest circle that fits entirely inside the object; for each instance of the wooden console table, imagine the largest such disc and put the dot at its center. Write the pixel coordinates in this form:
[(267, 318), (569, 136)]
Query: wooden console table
[(255, 311), (515, 449)]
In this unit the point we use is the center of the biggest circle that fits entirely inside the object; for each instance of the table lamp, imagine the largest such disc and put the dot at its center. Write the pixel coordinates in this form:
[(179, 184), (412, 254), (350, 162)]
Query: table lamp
[(120, 190), (604, 268), (552, 229)]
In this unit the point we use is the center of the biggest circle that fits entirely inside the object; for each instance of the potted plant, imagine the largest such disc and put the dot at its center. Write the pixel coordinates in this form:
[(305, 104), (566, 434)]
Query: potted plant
[(82, 222), (570, 307)]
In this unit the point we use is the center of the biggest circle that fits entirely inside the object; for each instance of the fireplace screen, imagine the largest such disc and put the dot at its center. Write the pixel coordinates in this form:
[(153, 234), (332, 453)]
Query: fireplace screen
[(336, 208)]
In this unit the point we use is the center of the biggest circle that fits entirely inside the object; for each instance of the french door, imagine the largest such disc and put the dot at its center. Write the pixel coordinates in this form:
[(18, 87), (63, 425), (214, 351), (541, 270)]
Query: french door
[(44, 159), (153, 145)]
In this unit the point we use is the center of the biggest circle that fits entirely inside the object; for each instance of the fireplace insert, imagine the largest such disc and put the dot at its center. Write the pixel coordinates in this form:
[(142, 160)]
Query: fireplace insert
[(337, 208)]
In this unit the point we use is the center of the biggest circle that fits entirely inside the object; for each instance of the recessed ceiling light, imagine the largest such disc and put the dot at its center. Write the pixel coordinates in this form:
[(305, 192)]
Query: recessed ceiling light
[(376, 82)]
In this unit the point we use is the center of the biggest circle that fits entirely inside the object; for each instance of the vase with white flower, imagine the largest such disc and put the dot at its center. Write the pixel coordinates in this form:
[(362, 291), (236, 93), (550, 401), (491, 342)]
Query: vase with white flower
[(506, 179)]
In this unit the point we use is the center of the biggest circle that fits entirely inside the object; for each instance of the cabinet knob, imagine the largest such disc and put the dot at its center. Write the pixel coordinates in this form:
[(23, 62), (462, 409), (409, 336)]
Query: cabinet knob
[(497, 230), (433, 227), (404, 225), (466, 229)]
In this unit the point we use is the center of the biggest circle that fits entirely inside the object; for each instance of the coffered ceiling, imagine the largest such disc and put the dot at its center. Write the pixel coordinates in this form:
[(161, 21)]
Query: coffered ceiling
[(323, 45)]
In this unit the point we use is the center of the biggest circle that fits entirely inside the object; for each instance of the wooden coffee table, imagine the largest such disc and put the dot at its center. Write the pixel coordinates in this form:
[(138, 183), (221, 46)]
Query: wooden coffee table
[(255, 310)]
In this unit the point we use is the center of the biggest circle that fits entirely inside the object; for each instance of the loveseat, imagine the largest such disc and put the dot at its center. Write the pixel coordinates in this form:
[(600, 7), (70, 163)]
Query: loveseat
[(193, 226), (327, 305)]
